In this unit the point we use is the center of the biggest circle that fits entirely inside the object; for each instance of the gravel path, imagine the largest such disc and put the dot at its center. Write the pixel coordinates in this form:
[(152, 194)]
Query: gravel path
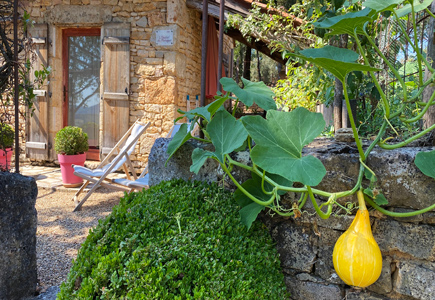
[(60, 231)]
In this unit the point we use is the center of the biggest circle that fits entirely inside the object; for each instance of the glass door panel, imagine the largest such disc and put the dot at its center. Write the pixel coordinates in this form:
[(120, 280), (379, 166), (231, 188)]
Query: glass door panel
[(83, 82)]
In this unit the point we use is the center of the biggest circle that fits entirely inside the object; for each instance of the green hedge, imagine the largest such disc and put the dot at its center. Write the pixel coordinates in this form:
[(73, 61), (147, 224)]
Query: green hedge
[(177, 240)]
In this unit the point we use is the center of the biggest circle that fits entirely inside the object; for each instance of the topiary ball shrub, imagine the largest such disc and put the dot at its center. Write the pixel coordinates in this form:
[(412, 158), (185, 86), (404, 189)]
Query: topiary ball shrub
[(71, 140), (176, 240)]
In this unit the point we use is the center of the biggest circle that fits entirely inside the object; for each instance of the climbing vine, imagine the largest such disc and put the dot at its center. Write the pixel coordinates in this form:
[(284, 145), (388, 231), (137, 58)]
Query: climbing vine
[(275, 143)]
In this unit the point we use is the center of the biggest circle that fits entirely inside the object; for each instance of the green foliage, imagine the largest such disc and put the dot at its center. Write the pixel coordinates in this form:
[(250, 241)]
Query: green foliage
[(176, 240), (275, 144), (305, 86), (71, 140), (279, 140), (7, 136)]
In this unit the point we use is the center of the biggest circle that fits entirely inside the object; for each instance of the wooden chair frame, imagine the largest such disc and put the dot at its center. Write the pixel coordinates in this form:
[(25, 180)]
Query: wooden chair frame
[(120, 154)]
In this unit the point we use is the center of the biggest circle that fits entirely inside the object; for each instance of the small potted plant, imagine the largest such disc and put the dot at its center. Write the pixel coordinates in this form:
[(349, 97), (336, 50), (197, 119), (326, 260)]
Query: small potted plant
[(6, 141), (71, 144)]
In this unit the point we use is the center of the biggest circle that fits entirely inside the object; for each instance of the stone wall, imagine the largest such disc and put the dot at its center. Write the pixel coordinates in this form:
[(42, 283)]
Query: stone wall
[(18, 272), (161, 77), (306, 243)]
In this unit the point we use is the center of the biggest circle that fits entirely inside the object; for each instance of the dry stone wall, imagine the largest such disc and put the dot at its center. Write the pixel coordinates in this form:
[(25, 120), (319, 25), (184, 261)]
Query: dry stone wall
[(305, 244)]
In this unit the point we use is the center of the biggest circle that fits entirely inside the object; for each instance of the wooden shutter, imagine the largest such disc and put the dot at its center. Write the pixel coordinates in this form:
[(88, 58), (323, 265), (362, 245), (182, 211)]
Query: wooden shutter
[(37, 123), (115, 54)]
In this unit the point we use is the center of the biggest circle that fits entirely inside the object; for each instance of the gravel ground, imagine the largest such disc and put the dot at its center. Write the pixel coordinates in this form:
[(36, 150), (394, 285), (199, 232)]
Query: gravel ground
[(60, 231)]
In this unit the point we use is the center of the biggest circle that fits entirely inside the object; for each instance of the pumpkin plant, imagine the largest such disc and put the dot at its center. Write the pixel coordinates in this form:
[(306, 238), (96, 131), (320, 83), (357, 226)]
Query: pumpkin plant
[(275, 143)]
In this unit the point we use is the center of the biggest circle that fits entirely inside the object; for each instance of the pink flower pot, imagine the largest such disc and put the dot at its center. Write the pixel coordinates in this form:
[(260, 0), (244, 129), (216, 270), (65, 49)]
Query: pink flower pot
[(5, 159), (67, 171)]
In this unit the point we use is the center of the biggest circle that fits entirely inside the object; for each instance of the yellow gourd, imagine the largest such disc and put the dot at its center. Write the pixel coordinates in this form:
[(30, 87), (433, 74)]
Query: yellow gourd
[(357, 258)]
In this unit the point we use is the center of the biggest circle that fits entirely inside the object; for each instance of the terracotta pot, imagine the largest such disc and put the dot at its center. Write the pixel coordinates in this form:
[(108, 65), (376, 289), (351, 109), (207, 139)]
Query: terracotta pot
[(67, 171), (5, 159)]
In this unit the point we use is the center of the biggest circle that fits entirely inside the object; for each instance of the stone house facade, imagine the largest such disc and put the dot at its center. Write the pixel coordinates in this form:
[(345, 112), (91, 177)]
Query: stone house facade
[(112, 62)]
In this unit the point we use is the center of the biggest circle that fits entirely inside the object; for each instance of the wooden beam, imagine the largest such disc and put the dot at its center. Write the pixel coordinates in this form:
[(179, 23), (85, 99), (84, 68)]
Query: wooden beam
[(259, 45)]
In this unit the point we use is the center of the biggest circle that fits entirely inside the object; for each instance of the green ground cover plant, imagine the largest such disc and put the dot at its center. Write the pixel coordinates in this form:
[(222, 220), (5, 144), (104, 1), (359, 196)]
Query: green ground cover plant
[(176, 240)]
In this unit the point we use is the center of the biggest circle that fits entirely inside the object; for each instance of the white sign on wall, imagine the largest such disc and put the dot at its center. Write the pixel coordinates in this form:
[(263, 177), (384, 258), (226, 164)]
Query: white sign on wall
[(164, 37)]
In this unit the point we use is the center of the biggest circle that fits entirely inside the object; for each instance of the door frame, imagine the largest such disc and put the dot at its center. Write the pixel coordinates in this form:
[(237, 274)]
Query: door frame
[(92, 154)]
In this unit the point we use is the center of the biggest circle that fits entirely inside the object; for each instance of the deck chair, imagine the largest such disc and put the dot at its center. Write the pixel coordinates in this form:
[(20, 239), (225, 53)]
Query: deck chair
[(142, 181), (122, 151)]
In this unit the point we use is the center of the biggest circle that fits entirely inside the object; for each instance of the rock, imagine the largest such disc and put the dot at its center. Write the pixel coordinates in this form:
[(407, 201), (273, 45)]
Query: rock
[(415, 240), (18, 221), (360, 295), (295, 247), (179, 164), (344, 135), (415, 280), (384, 284), (305, 290)]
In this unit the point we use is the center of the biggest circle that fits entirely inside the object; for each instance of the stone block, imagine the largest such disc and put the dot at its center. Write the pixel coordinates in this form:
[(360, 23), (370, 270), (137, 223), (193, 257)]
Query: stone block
[(415, 240), (18, 221), (177, 12), (384, 283), (160, 91), (179, 164), (402, 183), (352, 294), (79, 14), (415, 280), (295, 247), (305, 290), (156, 19)]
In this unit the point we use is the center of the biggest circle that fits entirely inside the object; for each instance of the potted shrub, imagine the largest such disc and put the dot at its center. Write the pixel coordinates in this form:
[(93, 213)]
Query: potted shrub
[(6, 141), (70, 144)]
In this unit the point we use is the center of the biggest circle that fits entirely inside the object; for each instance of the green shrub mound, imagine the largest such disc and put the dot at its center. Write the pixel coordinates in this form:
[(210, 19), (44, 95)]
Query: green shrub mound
[(176, 240)]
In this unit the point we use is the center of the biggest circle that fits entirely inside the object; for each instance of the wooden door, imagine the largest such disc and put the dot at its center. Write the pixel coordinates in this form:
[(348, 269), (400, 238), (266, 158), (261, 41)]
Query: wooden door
[(37, 117), (115, 54)]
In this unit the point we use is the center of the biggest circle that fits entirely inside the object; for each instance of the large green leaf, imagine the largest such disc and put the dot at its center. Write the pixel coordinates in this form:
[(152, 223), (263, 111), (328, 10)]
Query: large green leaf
[(380, 6), (338, 61), (199, 156), (180, 137), (226, 133), (206, 112), (252, 91), (425, 161), (279, 141), (250, 209), (249, 213), (346, 24), (407, 9)]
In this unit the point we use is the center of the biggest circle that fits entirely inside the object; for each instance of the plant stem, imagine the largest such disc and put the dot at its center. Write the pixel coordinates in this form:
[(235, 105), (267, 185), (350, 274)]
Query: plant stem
[(396, 214), (352, 123), (372, 75), (406, 142), (240, 187), (414, 25), (361, 202), (316, 207), (421, 114)]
